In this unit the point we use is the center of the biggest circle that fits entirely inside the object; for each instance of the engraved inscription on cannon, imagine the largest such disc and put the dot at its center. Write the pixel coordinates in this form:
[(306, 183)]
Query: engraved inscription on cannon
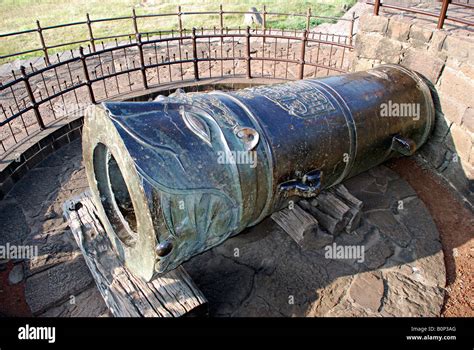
[(304, 100)]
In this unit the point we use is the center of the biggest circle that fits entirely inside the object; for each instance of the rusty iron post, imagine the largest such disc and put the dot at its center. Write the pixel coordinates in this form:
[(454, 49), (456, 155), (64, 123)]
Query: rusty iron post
[(195, 57), (31, 96), (89, 29), (135, 24), (142, 60), (86, 75), (308, 19), (43, 43), (376, 7), (442, 14), (264, 23), (247, 53), (180, 21), (351, 29), (221, 20), (304, 39)]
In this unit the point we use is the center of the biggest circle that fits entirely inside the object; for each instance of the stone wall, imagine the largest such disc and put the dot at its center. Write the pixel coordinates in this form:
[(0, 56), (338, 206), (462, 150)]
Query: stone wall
[(446, 58)]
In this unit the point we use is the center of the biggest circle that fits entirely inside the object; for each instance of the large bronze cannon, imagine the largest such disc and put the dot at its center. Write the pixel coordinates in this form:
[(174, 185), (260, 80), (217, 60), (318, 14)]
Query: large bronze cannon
[(177, 176)]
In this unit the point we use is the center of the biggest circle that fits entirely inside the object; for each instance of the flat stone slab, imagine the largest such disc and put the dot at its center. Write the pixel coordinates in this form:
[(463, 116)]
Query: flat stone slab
[(367, 290), (89, 302), (57, 284)]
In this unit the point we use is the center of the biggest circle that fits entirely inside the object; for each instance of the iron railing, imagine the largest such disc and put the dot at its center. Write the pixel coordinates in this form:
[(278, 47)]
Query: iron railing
[(36, 97), (442, 15), (134, 20)]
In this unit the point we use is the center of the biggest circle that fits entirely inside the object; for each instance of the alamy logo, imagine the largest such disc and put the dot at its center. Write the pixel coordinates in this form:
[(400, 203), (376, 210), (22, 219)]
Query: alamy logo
[(37, 333), (394, 109), (11, 251), (237, 157), (345, 252)]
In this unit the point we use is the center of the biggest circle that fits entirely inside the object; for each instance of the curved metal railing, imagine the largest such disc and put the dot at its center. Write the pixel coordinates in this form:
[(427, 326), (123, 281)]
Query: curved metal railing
[(37, 96)]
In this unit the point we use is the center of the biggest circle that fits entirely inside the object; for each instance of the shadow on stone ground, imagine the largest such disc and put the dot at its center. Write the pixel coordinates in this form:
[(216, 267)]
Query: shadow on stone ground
[(403, 272), (32, 215), (261, 272)]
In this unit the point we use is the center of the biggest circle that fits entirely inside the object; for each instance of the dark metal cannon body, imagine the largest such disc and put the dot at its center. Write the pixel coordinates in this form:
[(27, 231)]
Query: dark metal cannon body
[(175, 177)]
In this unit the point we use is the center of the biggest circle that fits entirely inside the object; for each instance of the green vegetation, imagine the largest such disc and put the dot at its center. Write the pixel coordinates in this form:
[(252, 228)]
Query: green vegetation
[(20, 15)]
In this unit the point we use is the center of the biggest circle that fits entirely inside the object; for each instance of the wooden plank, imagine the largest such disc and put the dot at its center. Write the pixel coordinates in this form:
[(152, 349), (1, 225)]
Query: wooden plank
[(355, 206), (171, 295), (334, 210), (332, 205), (296, 222)]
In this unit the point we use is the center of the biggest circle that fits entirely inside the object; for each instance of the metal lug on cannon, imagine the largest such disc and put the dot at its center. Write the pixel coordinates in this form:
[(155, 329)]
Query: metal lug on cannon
[(309, 186), (403, 145), (249, 137), (313, 178), (164, 248), (297, 188)]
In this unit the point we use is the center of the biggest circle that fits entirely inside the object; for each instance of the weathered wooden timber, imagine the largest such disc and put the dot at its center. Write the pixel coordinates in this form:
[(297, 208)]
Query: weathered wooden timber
[(333, 211), (126, 295), (296, 222)]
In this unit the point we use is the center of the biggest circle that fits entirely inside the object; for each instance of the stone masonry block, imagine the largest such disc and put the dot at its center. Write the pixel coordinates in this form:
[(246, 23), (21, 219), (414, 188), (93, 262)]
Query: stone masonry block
[(362, 64), (467, 69), (419, 36), (57, 284), (370, 23), (366, 45), (424, 63), (459, 47), (452, 109), (462, 141), (388, 50), (377, 47), (398, 30), (468, 120), (468, 169), (437, 41), (454, 84)]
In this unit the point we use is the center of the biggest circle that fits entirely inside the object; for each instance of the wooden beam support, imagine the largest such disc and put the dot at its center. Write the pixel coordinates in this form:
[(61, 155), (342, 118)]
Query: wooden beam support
[(171, 295), (333, 210), (296, 222)]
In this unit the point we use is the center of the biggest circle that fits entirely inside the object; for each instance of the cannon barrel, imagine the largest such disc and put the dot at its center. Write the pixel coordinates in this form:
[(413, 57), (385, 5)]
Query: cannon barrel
[(177, 176)]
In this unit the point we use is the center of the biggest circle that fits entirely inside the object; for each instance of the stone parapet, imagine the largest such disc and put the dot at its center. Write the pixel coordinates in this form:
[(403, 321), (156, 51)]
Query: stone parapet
[(446, 58)]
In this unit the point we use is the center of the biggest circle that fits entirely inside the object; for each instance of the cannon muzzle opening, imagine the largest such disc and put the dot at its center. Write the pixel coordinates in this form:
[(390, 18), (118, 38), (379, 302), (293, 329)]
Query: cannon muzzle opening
[(177, 176)]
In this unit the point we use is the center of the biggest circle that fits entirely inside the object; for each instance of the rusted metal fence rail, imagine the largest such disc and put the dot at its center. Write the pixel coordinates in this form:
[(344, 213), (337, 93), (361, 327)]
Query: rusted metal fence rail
[(442, 15), (36, 97), (134, 20)]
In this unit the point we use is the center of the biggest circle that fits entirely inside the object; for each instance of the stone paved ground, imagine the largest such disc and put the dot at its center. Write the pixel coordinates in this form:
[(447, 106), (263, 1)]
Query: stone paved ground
[(32, 215), (261, 272), (402, 275), (455, 222)]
